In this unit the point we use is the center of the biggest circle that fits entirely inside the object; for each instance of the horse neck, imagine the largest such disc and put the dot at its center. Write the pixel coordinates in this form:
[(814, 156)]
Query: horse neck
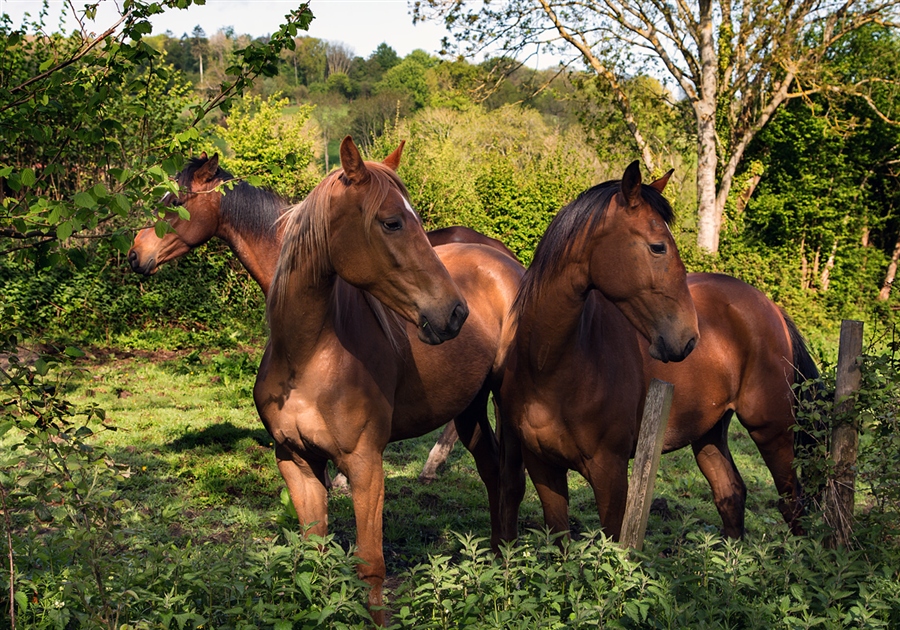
[(550, 321), (257, 253), (300, 311)]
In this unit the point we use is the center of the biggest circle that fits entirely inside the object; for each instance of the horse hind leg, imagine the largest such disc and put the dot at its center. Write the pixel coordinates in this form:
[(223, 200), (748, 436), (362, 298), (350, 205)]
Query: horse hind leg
[(439, 453), (476, 434), (716, 463), (777, 451)]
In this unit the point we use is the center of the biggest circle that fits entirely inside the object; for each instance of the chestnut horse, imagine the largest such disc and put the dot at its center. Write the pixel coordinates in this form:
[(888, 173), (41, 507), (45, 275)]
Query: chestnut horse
[(245, 217), (342, 376), (749, 357), (573, 384)]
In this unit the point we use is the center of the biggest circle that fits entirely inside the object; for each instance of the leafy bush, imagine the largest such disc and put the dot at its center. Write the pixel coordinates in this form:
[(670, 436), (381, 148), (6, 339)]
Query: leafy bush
[(206, 298), (504, 173), (263, 141), (704, 582)]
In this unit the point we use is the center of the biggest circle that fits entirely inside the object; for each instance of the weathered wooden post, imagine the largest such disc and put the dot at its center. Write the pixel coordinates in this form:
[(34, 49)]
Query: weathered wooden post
[(839, 494), (646, 462)]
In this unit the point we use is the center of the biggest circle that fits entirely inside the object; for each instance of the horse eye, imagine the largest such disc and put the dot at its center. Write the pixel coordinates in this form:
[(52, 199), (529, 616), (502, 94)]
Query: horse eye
[(392, 225), (658, 248)]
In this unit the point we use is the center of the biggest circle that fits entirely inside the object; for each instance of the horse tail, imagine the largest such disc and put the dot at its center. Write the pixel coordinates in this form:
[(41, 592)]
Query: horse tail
[(809, 433)]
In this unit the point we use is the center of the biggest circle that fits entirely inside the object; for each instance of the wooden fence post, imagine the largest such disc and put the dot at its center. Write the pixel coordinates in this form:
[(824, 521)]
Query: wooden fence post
[(840, 491), (646, 462)]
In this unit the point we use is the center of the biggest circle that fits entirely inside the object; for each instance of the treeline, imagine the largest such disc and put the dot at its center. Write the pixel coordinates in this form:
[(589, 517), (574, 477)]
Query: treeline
[(812, 219)]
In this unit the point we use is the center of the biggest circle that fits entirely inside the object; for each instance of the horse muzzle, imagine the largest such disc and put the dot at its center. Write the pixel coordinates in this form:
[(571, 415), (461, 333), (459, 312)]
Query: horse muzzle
[(661, 350), (433, 334), (146, 268)]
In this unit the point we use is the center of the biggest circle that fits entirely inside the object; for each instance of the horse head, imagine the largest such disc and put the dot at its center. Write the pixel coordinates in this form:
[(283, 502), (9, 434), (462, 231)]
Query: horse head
[(197, 194), (359, 224), (638, 268)]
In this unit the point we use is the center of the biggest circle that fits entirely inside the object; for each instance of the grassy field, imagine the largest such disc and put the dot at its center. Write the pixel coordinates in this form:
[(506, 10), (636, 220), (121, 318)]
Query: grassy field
[(203, 494), (188, 430)]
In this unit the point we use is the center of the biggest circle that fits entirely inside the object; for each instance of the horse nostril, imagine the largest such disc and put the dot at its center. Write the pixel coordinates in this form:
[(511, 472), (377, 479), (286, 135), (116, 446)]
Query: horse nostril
[(458, 317), (133, 259), (689, 347)]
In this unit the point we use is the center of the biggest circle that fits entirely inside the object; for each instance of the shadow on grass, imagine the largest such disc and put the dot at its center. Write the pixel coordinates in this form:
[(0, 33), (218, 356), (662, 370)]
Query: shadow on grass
[(224, 435)]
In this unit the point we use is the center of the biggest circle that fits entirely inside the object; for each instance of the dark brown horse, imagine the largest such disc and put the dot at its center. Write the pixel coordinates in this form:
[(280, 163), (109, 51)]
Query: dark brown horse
[(749, 356), (573, 382), (245, 217), (342, 376)]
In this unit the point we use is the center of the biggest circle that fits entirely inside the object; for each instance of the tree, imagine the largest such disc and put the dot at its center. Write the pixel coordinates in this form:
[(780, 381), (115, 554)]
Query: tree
[(263, 142), (339, 58), (89, 134), (736, 62), (410, 76)]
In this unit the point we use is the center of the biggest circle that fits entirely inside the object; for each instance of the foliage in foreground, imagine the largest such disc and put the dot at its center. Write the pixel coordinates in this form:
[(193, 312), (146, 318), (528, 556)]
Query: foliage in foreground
[(704, 582), (93, 546)]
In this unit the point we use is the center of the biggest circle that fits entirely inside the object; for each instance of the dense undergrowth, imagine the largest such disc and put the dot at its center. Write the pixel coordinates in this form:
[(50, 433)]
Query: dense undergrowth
[(139, 491)]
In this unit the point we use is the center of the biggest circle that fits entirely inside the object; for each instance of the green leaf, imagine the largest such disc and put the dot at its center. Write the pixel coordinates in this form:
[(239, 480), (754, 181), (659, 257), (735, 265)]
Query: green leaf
[(27, 177), (22, 600), (64, 230), (41, 367), (161, 228), (84, 200), (74, 352)]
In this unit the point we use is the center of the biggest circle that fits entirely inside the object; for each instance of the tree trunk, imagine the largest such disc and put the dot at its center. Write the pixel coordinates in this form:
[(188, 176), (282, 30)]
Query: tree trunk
[(885, 292), (829, 265), (745, 195), (710, 215)]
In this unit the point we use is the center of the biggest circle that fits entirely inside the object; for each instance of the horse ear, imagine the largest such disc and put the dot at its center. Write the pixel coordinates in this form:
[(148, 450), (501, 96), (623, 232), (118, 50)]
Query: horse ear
[(208, 170), (354, 168), (660, 184), (631, 184), (203, 155), (393, 160)]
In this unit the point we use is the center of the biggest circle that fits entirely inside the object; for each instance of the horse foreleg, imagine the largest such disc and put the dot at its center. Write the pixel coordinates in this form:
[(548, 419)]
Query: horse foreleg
[(512, 481), (366, 475), (607, 472), (305, 480), (729, 491), (476, 434), (553, 490), (439, 453)]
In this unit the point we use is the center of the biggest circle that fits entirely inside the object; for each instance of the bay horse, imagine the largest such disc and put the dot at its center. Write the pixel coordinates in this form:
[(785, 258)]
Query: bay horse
[(357, 303), (606, 269), (749, 357), (245, 217)]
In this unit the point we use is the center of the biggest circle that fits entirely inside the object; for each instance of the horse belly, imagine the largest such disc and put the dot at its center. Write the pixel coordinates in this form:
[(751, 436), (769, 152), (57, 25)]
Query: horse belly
[(442, 381)]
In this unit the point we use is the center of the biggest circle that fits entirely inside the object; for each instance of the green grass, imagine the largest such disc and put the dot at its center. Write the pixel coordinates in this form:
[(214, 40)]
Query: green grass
[(203, 496), (191, 435)]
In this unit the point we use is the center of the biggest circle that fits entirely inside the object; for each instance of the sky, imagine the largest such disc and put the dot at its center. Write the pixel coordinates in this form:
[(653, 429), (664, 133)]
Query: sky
[(360, 24)]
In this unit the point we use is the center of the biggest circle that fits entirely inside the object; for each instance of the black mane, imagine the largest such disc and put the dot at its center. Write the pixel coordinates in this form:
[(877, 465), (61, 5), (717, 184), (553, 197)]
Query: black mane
[(578, 217), (247, 208)]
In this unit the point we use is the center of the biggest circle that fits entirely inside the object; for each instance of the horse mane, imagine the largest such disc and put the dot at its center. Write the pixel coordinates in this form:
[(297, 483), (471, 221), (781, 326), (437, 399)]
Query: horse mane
[(247, 208), (306, 239), (567, 229)]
